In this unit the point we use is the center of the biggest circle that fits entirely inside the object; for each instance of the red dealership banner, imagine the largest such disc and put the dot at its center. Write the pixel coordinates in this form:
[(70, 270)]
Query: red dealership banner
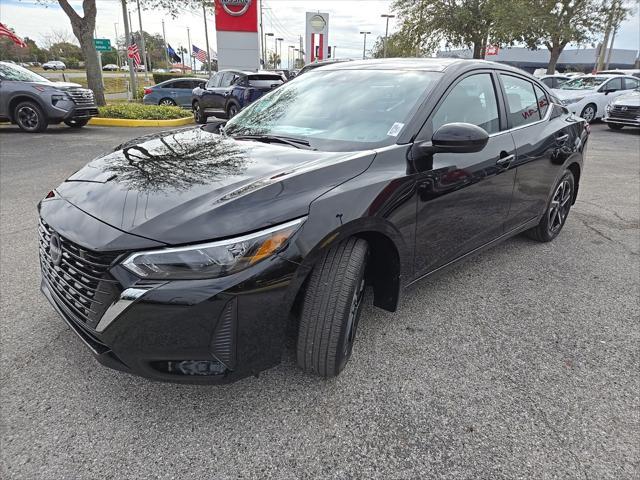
[(237, 15)]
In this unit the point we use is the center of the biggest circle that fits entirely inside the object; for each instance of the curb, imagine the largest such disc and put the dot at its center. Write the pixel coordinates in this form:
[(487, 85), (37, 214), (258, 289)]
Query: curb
[(122, 122)]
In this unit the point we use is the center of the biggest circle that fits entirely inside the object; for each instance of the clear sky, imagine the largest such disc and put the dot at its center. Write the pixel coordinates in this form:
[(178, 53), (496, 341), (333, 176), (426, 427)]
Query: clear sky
[(285, 18)]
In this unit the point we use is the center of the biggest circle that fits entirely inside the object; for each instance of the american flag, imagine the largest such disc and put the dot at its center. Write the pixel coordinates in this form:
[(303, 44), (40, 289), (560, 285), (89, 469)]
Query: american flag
[(133, 53), (199, 54), (5, 32)]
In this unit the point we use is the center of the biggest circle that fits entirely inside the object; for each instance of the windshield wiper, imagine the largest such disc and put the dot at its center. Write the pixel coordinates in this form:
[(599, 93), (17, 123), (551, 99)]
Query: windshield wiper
[(294, 142)]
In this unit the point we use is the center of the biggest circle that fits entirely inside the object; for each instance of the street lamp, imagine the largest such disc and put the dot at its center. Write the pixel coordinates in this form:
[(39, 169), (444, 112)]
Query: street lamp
[(364, 48), (280, 40), (290, 53), (266, 50), (386, 33)]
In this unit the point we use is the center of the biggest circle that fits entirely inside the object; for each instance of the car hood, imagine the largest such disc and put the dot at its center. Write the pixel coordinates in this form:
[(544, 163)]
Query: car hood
[(58, 85), (629, 99), (564, 94), (191, 185)]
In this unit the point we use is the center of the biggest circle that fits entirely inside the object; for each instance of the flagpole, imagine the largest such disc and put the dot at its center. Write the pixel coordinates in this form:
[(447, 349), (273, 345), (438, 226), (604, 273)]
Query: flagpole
[(144, 51), (127, 34), (190, 50), (166, 52), (206, 36)]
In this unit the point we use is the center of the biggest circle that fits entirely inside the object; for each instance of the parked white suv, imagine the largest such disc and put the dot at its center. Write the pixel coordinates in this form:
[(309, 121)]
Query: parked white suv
[(589, 95), (54, 65)]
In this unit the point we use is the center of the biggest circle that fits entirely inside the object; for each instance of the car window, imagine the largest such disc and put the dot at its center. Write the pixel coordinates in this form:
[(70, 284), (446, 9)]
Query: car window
[(473, 100), (227, 78), (214, 81), (583, 83), (196, 84), (19, 74), (549, 82), (265, 80), (613, 84), (521, 100), (543, 101), (185, 84), (631, 83), (168, 84)]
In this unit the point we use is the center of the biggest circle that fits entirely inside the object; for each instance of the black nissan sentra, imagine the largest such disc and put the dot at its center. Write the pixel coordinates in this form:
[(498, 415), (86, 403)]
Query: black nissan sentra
[(190, 255)]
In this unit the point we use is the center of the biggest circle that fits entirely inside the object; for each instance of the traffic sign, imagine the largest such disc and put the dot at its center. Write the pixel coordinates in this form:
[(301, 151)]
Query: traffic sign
[(102, 44)]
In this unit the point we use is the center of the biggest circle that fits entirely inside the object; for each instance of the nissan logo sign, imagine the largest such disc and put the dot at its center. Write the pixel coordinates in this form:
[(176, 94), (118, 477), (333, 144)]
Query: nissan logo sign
[(55, 249), (235, 8)]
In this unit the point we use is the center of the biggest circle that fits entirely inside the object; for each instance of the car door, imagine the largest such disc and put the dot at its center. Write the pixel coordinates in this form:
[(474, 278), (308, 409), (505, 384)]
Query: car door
[(543, 139), (609, 90), (207, 99), (222, 91), (463, 198), (181, 92)]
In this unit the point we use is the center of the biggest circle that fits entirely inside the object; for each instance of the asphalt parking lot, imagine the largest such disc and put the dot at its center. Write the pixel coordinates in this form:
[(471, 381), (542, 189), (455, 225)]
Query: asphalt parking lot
[(520, 363)]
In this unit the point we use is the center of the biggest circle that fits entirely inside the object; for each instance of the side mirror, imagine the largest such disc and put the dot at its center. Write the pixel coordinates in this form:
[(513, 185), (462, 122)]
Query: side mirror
[(456, 138)]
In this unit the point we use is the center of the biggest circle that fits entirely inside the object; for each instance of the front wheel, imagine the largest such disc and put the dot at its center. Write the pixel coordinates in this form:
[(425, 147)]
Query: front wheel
[(232, 111), (557, 210), (76, 123), (30, 117), (331, 309), (198, 114), (589, 113)]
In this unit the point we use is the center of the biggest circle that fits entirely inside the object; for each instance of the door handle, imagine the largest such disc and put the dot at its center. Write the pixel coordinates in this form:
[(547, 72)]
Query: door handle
[(562, 138), (505, 159)]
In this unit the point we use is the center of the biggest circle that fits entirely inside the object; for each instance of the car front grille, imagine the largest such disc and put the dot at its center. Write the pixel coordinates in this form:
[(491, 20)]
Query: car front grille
[(80, 283), (81, 96), (624, 111)]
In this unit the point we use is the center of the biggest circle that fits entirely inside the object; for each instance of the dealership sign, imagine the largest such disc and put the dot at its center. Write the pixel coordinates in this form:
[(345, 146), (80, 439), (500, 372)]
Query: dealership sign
[(237, 36), (237, 15), (235, 7)]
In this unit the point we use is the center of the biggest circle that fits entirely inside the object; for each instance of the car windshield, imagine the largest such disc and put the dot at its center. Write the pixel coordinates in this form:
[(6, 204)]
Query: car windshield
[(338, 110), (17, 73), (583, 83)]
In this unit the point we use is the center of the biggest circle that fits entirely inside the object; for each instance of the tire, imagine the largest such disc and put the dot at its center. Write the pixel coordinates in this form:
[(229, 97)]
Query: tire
[(331, 309), (557, 211), (589, 112), (615, 126), (232, 110), (77, 123), (198, 114), (168, 102), (30, 117)]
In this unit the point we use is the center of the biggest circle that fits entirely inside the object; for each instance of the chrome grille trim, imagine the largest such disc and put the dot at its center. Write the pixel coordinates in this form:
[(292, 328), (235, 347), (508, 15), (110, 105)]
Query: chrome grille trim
[(81, 96)]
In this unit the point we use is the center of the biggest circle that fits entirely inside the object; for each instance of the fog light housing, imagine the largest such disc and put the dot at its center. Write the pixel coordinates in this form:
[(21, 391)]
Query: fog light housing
[(190, 367)]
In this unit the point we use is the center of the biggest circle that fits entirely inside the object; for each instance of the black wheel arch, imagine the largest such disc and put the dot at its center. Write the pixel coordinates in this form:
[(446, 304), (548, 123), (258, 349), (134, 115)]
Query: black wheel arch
[(23, 97)]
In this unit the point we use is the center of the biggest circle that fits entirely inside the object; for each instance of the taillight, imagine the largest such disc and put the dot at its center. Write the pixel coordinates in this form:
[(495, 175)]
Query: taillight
[(147, 90)]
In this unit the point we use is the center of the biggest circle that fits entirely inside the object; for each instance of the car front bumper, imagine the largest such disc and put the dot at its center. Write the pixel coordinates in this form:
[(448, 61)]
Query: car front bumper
[(631, 122)]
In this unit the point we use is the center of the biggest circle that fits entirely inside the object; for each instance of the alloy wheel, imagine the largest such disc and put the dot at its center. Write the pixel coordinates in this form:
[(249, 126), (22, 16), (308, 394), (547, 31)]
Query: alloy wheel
[(588, 113), (560, 205), (233, 111), (167, 102), (28, 117)]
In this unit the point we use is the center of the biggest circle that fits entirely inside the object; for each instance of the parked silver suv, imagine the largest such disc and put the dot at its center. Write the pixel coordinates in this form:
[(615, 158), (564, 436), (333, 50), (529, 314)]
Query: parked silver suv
[(33, 102)]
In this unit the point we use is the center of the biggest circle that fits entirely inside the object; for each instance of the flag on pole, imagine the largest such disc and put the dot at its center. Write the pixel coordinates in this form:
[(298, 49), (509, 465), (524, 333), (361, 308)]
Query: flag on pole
[(5, 32), (133, 53), (173, 56), (199, 54)]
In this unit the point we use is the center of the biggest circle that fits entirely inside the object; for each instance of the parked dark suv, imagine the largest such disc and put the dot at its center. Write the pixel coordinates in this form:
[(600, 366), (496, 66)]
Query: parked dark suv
[(229, 91), (33, 102), (188, 255)]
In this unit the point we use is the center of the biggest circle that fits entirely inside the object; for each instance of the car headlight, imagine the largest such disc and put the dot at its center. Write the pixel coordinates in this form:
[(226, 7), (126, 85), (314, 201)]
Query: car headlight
[(608, 108), (214, 259), (569, 101)]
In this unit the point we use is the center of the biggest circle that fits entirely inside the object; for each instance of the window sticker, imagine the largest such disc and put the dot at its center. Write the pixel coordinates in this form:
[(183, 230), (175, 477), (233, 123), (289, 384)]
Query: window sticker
[(395, 129)]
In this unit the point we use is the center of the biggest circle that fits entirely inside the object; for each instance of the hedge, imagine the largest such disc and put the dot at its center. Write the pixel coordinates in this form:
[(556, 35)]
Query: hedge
[(137, 111)]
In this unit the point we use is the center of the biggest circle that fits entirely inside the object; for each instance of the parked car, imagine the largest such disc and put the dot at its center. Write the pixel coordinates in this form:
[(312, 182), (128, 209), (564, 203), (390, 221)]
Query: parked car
[(554, 81), (298, 205), (634, 72), (624, 111), (287, 74), (172, 92), (229, 91), (33, 102), (54, 65), (159, 70), (314, 65), (124, 68), (175, 70), (588, 95), (110, 67)]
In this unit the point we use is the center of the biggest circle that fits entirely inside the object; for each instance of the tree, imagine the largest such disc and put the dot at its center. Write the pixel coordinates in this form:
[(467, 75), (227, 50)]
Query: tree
[(66, 50), (56, 35), (397, 46), (83, 28), (467, 23), (557, 23), (273, 59)]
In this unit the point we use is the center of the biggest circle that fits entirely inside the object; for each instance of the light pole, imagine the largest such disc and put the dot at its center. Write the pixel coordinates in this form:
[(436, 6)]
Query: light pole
[(386, 33), (279, 40), (266, 50), (364, 48), (115, 25), (290, 54)]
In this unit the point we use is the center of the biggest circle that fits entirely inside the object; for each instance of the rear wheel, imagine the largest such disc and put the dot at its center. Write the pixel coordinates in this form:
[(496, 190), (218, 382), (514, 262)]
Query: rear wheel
[(331, 309), (167, 102), (30, 117), (589, 113), (198, 114), (232, 110), (557, 210), (76, 123), (615, 126)]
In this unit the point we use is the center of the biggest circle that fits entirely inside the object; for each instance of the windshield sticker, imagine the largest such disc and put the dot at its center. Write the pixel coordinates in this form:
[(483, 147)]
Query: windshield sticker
[(395, 129)]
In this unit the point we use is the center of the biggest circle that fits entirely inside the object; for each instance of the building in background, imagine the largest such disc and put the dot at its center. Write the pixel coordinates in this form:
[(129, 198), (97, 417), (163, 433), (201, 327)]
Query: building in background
[(317, 37), (237, 37), (575, 60)]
